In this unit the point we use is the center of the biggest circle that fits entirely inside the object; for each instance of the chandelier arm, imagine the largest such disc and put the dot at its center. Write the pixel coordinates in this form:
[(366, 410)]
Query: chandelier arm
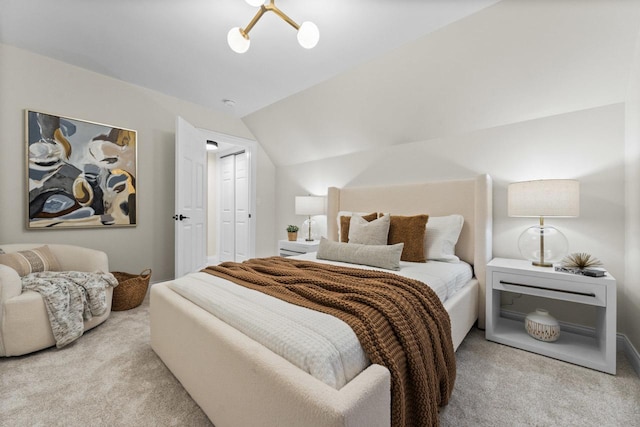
[(273, 8), (245, 31)]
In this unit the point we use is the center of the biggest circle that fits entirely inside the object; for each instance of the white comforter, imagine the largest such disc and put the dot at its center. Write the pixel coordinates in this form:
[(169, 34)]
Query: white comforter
[(318, 343)]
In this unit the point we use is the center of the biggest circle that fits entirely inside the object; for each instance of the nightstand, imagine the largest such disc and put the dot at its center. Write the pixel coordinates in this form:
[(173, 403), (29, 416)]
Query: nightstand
[(297, 247), (519, 276)]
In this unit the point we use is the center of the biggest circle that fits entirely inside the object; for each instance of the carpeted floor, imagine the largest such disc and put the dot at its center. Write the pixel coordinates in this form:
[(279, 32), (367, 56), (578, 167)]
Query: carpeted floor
[(111, 377)]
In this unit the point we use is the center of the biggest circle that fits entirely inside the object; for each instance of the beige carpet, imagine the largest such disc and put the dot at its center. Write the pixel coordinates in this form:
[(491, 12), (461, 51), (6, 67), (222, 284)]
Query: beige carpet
[(111, 377)]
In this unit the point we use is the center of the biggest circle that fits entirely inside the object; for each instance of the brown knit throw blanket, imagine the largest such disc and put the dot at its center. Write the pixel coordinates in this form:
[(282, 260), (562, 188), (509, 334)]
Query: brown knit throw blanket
[(400, 322)]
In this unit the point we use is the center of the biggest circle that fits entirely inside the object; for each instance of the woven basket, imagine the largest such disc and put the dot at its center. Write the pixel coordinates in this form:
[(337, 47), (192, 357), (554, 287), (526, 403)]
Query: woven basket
[(131, 289)]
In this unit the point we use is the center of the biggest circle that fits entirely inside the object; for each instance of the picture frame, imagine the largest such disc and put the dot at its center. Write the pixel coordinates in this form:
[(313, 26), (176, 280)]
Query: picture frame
[(80, 174)]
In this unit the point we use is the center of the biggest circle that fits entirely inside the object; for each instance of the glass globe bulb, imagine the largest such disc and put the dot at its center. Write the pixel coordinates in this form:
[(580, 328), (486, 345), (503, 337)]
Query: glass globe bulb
[(308, 35), (255, 3), (236, 40), (555, 245)]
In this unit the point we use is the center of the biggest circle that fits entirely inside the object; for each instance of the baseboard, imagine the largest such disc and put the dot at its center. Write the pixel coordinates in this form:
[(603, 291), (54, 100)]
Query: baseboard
[(622, 342)]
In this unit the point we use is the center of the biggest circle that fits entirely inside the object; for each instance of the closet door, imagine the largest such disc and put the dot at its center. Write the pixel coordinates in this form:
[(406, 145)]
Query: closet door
[(227, 208), (242, 228), (235, 216)]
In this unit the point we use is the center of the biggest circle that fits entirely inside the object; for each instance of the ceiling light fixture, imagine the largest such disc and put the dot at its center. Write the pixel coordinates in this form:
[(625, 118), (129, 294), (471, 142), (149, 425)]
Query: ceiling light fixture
[(211, 145), (238, 38)]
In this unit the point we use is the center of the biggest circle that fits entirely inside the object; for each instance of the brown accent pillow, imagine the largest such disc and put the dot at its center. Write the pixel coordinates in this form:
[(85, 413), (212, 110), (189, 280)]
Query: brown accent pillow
[(409, 230), (31, 261), (345, 221)]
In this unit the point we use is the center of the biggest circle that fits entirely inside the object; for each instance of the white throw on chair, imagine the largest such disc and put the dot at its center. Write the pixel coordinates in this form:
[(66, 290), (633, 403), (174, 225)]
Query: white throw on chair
[(24, 323)]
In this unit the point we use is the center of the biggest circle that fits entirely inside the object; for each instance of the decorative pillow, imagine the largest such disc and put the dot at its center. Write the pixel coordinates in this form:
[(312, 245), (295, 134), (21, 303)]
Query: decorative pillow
[(441, 237), (383, 256), (31, 261), (368, 232), (409, 230), (345, 221)]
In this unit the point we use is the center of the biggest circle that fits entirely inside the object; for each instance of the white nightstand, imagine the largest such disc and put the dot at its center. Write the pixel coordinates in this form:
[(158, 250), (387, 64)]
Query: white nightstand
[(521, 277), (297, 247)]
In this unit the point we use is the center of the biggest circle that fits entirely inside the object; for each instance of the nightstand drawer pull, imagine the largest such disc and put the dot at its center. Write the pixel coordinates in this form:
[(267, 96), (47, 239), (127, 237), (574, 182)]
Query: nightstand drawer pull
[(586, 294)]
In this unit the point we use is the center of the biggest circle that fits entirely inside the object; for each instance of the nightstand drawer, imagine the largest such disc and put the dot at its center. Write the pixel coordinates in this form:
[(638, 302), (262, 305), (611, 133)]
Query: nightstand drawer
[(286, 252), (580, 292), (297, 247)]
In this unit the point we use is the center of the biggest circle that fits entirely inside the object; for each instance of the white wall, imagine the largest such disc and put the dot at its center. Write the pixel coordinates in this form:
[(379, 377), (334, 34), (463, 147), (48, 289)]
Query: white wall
[(630, 303), (587, 145), (35, 82), (266, 241)]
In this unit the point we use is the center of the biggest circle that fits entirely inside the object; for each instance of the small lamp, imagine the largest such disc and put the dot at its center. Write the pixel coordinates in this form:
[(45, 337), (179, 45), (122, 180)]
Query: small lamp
[(543, 244), (310, 205)]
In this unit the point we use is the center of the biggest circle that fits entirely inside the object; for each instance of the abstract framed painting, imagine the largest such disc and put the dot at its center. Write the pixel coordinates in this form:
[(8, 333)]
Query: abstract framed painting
[(80, 174)]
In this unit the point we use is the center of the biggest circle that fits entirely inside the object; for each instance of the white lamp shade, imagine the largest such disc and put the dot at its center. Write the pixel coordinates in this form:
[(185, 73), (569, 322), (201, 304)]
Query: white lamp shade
[(308, 35), (236, 41), (545, 197), (310, 205), (255, 3)]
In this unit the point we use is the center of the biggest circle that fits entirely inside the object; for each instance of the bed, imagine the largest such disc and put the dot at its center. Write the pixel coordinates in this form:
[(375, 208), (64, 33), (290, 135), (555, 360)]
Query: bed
[(239, 382)]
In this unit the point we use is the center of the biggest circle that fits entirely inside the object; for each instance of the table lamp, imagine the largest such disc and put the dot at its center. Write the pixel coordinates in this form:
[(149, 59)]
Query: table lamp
[(543, 244), (310, 205)]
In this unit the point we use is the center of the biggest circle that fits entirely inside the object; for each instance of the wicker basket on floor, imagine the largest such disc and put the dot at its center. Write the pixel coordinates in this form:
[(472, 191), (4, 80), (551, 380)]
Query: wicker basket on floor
[(131, 289)]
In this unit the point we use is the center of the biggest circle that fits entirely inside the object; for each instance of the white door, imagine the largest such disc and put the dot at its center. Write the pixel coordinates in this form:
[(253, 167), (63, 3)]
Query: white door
[(227, 208), (242, 207), (191, 203), (235, 216)]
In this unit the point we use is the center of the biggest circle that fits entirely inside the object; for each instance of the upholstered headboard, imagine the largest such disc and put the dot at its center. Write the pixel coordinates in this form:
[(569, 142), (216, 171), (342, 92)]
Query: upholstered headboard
[(471, 198)]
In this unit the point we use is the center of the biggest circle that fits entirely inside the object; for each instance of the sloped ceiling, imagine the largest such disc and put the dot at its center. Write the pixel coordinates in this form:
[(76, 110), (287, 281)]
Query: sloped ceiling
[(514, 61), (179, 47)]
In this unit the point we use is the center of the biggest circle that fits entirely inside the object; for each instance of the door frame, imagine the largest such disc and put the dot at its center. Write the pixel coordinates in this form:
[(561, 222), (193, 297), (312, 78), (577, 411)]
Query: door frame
[(251, 148)]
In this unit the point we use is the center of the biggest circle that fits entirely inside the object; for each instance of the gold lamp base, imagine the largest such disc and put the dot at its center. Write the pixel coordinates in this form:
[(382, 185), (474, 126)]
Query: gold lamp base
[(541, 264)]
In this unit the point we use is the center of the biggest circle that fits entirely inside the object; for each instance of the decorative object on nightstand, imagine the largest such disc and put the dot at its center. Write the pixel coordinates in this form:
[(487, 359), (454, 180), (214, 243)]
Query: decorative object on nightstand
[(582, 263), (543, 244), (580, 260), (309, 206), (542, 326), (292, 232)]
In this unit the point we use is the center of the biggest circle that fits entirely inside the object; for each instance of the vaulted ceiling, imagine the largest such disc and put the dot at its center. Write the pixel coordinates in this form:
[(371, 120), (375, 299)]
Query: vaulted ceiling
[(384, 72), (180, 47)]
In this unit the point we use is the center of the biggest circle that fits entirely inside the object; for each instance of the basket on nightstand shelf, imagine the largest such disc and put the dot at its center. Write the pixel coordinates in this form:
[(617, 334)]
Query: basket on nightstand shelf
[(131, 289)]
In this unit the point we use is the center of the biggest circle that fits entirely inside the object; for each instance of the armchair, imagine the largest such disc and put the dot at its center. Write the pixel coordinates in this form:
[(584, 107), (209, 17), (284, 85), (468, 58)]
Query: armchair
[(24, 323)]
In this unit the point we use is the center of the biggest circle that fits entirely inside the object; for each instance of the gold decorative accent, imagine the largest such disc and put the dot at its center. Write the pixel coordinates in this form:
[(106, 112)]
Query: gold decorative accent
[(580, 260)]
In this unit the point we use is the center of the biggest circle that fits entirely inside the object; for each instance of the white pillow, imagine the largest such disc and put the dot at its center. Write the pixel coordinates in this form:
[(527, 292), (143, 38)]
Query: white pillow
[(441, 237), (369, 233), (346, 213), (383, 256)]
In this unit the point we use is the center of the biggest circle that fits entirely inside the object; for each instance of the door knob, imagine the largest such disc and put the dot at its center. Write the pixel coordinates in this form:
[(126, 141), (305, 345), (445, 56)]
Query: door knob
[(180, 217)]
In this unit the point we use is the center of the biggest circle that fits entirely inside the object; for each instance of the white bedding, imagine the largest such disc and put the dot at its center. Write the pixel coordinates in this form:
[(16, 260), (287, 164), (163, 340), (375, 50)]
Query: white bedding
[(445, 278), (320, 344)]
